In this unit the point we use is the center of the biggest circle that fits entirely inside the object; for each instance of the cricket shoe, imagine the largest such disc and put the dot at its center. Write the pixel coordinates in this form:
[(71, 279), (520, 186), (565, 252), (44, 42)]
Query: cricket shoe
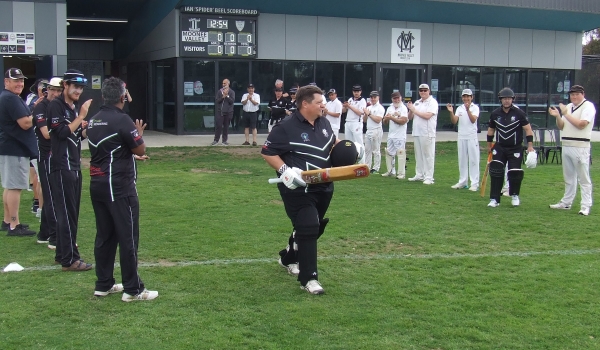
[(145, 295), (560, 205), (515, 200), (389, 173), (416, 178), (585, 211), (313, 287), (458, 186), (428, 182), (117, 288), (400, 177), (474, 188), (292, 269), (493, 203)]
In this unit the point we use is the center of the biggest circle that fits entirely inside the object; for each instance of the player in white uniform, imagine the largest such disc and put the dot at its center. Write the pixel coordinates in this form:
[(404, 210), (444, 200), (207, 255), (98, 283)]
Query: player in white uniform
[(424, 116), (353, 129), (373, 116), (576, 125), (333, 111), (397, 117), (466, 116)]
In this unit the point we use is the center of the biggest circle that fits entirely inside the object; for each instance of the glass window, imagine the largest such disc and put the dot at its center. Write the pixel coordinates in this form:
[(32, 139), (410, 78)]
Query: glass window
[(467, 78), (558, 80), (516, 79), (264, 74), (358, 73), (298, 73), (492, 81), (330, 75), (443, 95), (537, 98), (164, 97), (199, 97), (238, 73)]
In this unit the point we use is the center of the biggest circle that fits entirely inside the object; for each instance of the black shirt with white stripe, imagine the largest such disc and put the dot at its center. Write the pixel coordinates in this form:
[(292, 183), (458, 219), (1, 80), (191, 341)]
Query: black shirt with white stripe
[(111, 137), (40, 120), (65, 145), (509, 126)]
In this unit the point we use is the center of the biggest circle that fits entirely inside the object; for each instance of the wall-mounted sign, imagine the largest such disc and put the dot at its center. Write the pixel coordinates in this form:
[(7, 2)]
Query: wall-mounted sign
[(96, 82), (218, 11), (17, 43), (406, 45), (217, 36)]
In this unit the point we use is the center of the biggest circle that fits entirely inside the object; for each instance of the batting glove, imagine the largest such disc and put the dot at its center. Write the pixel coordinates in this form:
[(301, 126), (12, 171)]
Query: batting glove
[(292, 179), (531, 161)]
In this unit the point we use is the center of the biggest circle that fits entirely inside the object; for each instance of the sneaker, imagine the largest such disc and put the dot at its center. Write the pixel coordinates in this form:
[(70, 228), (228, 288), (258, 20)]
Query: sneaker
[(254, 143), (373, 171), (78, 265), (41, 240), (145, 295), (20, 231), (427, 182), (493, 203), (313, 287), (458, 186), (400, 177), (117, 288), (416, 178), (5, 226), (584, 211), (515, 200), (292, 269), (34, 209), (246, 143), (38, 214), (214, 143), (474, 188), (560, 205), (225, 143), (52, 245), (387, 174)]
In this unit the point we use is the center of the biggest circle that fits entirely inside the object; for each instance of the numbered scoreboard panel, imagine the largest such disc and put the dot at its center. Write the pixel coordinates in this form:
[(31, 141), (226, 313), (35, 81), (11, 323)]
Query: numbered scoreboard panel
[(217, 36)]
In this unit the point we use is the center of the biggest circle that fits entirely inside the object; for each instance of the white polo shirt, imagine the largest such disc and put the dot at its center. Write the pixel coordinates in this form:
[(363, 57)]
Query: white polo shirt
[(425, 127), (334, 106), (360, 104), (378, 110), (397, 131), (249, 106), (466, 129)]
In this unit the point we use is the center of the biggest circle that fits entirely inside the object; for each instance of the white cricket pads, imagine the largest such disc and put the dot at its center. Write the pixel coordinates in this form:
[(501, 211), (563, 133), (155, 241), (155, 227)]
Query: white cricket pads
[(291, 178), (531, 161)]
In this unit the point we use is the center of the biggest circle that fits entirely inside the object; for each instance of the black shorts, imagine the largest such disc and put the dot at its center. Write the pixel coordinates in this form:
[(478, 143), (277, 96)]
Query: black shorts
[(249, 119)]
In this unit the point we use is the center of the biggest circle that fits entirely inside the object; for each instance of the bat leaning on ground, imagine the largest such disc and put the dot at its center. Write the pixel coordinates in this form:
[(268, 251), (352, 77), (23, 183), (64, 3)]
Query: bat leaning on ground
[(485, 175), (317, 176)]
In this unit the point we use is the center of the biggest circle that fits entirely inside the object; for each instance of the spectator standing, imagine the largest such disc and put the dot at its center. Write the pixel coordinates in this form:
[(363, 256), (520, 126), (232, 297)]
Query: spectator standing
[(333, 111), (224, 112), (251, 105), (424, 113)]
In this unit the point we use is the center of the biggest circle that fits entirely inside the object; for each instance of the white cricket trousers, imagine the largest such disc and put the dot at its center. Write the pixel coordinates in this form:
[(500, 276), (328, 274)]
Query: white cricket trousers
[(468, 161), (353, 131), (576, 168), (424, 157), (373, 148)]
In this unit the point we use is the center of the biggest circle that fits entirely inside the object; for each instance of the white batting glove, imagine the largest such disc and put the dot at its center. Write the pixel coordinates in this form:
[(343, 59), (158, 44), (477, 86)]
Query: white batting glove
[(531, 161), (292, 179)]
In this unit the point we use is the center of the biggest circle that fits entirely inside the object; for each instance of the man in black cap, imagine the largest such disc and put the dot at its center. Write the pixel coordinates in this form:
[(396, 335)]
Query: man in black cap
[(251, 105), (66, 132), (277, 108), (353, 129), (17, 146)]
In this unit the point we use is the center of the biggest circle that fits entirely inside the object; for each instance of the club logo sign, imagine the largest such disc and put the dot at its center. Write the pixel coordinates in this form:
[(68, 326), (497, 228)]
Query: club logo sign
[(406, 45), (240, 25)]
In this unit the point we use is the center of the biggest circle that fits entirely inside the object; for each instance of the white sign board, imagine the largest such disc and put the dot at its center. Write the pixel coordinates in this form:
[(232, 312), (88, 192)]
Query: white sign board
[(17, 43), (406, 45), (188, 88)]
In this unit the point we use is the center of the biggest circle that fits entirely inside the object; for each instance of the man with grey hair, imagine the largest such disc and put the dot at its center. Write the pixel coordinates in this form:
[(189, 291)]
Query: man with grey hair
[(114, 140), (223, 112)]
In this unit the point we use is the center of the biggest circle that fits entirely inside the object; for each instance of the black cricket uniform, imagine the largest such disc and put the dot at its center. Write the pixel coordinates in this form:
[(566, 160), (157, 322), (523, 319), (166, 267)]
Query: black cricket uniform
[(48, 220), (111, 137), (508, 150), (65, 178), (278, 110), (302, 145), (291, 106)]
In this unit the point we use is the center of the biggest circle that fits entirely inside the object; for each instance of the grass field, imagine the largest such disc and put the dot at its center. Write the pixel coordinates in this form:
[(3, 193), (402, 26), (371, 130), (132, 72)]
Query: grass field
[(404, 266)]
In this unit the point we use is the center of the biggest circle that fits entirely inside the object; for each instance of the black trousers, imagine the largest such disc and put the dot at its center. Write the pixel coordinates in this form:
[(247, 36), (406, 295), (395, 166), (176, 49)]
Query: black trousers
[(48, 219), (222, 126), (306, 211), (503, 157), (65, 187), (117, 223)]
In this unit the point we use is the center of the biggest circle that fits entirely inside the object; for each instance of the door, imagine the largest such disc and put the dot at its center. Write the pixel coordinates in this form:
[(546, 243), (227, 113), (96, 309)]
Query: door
[(402, 78)]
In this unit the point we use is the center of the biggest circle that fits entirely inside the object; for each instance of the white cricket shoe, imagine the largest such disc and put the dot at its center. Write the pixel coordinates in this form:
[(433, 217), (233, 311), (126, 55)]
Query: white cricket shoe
[(427, 182), (585, 211), (474, 188), (145, 295), (416, 178), (400, 177), (313, 287), (560, 205), (389, 173), (292, 269), (493, 203), (117, 288), (515, 200), (458, 186)]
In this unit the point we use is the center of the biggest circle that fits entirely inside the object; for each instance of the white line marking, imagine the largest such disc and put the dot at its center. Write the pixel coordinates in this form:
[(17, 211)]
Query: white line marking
[(352, 257)]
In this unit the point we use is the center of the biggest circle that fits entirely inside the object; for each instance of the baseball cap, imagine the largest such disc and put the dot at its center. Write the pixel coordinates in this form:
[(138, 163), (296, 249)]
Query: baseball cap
[(76, 77), (293, 90), (396, 94), (55, 82), (424, 86), (14, 73), (250, 85), (313, 84), (331, 91), (356, 88), (33, 88), (467, 92), (374, 93), (577, 88)]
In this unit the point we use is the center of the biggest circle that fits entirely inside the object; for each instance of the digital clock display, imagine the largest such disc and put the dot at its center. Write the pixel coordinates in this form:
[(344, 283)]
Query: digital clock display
[(217, 24)]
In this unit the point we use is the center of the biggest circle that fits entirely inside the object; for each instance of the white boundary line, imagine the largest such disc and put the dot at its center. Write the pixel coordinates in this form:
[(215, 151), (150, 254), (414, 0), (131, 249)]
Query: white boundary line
[(354, 257)]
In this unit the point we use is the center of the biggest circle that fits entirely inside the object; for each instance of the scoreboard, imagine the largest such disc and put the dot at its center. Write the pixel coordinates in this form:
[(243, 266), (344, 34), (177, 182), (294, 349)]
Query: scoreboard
[(217, 36)]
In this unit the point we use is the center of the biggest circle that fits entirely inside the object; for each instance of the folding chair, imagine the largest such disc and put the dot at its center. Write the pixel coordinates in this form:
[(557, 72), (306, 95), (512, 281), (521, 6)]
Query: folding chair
[(554, 147)]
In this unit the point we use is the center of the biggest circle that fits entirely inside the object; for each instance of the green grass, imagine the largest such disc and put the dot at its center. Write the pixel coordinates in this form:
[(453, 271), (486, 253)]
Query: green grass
[(404, 266)]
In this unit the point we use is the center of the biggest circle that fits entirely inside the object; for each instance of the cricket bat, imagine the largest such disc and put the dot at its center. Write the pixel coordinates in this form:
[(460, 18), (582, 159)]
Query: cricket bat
[(485, 175), (318, 176)]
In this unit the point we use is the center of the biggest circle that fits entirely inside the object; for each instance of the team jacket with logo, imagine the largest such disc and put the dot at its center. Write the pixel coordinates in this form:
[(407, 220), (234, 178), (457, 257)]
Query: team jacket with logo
[(40, 120), (278, 108), (65, 145), (111, 136), (509, 126)]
